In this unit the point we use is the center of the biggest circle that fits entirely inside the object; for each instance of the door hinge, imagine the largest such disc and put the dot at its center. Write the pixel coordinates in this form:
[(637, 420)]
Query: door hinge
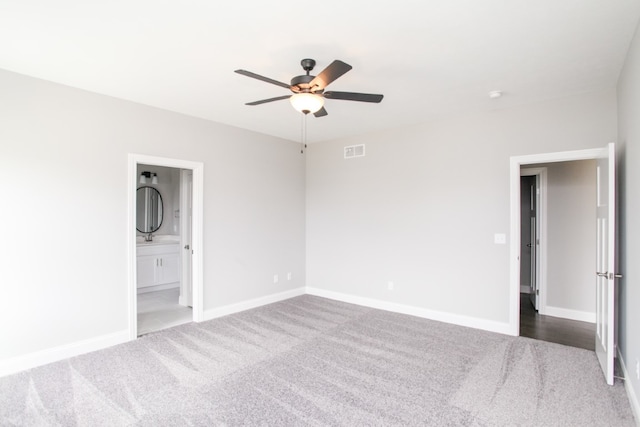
[(537, 291), (608, 275)]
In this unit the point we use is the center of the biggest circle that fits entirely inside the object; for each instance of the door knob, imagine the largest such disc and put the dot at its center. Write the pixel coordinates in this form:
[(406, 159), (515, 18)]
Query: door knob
[(186, 246), (528, 245)]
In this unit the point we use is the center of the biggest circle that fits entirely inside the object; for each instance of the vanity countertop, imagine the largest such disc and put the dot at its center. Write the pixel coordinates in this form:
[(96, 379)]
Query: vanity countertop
[(160, 239)]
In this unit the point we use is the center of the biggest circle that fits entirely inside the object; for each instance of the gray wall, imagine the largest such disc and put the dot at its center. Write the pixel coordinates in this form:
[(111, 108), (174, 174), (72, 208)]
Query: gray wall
[(63, 180), (571, 235), (406, 212), (420, 211), (629, 225)]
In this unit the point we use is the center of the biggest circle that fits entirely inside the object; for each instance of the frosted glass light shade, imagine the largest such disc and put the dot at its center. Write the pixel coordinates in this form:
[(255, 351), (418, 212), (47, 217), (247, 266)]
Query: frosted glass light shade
[(306, 102), (147, 176)]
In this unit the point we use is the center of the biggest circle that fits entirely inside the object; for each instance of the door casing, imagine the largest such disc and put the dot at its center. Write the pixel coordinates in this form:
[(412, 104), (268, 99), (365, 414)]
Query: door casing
[(197, 233), (186, 195), (516, 164)]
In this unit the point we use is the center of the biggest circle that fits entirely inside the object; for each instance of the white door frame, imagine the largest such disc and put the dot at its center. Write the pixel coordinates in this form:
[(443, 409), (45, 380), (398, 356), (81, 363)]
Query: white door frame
[(186, 229), (541, 233), (197, 233), (516, 162)]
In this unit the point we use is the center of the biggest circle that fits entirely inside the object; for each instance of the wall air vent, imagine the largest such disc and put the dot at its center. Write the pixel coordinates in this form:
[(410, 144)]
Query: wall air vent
[(354, 151)]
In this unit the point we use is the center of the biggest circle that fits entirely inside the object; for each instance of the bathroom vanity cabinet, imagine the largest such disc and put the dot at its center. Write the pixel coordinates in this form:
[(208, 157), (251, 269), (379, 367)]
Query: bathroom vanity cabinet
[(158, 266)]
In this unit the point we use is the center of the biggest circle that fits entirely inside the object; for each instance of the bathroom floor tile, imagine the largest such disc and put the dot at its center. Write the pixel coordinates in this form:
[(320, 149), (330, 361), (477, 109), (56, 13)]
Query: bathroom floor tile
[(160, 310)]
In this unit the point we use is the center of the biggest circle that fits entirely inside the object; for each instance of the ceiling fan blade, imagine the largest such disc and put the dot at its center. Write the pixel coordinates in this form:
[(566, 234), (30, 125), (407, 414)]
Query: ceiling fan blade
[(321, 112), (353, 96), (329, 74), (264, 79), (264, 101)]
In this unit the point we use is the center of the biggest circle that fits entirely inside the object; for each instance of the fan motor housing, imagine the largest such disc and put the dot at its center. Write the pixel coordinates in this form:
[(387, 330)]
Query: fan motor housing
[(301, 83)]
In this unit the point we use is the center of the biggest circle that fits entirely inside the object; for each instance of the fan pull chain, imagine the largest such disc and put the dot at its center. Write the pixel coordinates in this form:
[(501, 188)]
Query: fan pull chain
[(304, 133)]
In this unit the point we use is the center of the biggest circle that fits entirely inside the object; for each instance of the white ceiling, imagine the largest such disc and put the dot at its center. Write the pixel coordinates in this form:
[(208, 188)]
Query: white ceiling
[(430, 58)]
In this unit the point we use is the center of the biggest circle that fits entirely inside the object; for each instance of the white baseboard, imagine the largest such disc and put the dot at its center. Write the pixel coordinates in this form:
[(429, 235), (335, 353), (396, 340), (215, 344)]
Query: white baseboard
[(252, 303), (58, 353), (43, 357), (565, 313), (50, 355), (456, 319), (628, 386), (158, 288)]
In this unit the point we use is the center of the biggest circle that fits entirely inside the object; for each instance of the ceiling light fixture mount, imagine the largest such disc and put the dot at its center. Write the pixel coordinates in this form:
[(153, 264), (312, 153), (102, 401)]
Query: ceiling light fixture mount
[(495, 94)]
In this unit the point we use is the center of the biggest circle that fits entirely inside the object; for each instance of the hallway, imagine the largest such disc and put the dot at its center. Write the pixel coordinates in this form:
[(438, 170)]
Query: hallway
[(554, 329)]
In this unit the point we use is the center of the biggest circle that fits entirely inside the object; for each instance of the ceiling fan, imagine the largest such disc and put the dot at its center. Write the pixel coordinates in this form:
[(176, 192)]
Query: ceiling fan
[(309, 91)]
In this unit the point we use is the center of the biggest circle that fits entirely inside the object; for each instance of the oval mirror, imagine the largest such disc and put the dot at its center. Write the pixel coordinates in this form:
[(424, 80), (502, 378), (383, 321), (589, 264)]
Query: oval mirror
[(149, 210)]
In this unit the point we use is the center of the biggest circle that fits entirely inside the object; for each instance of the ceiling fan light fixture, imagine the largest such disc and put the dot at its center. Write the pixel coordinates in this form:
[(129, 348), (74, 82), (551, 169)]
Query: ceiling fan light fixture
[(307, 102)]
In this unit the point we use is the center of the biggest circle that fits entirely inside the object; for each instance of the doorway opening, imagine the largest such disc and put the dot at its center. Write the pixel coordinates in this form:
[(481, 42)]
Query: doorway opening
[(541, 317), (557, 284), (165, 241)]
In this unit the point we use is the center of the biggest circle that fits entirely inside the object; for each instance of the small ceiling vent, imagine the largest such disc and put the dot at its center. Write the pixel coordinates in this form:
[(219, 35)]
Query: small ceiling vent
[(354, 151)]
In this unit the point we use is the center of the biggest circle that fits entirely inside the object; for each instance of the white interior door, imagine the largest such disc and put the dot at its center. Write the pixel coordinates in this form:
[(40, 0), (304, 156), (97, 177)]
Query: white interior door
[(606, 261), (525, 234), (186, 209), (529, 258), (533, 242)]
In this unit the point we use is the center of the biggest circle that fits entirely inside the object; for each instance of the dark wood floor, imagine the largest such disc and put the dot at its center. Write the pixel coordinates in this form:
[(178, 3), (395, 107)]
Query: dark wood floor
[(554, 329)]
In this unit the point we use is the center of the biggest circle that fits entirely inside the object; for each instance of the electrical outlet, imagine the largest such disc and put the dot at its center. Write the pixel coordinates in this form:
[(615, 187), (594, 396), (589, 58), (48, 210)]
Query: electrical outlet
[(390, 286), (289, 276), (500, 239), (275, 278)]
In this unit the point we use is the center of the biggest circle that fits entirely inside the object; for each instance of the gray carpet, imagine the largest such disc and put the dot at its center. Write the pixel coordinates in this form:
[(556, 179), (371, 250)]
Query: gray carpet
[(317, 362)]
